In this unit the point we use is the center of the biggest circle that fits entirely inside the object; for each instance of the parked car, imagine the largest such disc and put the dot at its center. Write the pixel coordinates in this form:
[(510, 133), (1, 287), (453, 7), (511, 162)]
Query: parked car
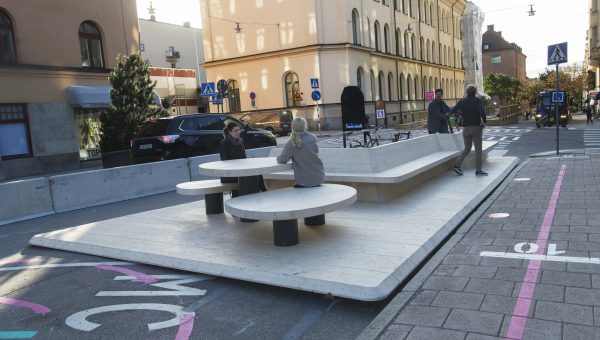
[(190, 135), (278, 122)]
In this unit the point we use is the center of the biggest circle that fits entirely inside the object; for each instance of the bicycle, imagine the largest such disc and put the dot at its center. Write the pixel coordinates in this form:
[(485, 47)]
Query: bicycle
[(398, 136), (368, 140)]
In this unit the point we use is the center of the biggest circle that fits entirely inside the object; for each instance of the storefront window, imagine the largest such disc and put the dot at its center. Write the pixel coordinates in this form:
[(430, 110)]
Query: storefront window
[(88, 127), (14, 131)]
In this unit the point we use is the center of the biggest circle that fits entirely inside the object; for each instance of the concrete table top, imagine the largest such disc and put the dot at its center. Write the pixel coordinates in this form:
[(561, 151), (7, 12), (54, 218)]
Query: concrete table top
[(292, 203), (243, 167), (210, 186)]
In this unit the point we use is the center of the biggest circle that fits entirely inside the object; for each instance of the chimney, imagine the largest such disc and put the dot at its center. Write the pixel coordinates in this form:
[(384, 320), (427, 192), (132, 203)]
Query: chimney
[(499, 33), (187, 24), (153, 17), (490, 27)]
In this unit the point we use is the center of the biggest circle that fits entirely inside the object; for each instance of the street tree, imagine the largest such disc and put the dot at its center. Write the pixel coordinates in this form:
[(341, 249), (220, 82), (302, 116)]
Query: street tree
[(505, 87)]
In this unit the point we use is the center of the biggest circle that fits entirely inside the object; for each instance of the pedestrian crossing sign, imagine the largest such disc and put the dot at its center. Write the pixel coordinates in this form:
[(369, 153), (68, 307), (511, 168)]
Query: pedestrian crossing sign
[(207, 89), (314, 83), (557, 54)]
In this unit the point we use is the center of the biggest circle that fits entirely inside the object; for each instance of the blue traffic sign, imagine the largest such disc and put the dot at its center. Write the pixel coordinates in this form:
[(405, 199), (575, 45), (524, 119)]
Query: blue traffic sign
[(561, 96), (316, 95), (207, 89), (557, 53), (314, 83), (252, 95)]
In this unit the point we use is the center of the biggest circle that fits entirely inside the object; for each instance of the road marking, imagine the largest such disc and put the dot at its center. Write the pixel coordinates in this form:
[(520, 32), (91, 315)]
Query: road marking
[(541, 257), (139, 276), (518, 319), (65, 265), (36, 308), (175, 287), (522, 179), (78, 320), (498, 215), (17, 335)]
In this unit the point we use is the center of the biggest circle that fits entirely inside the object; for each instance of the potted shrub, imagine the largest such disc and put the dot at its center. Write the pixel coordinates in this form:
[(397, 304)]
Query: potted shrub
[(132, 104)]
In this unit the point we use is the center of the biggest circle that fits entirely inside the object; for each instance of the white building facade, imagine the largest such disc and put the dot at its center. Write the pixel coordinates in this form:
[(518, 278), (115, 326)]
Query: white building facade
[(394, 50)]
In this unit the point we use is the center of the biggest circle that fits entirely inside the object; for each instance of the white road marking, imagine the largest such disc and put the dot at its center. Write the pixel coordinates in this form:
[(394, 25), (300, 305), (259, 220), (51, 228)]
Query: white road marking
[(175, 287), (572, 259)]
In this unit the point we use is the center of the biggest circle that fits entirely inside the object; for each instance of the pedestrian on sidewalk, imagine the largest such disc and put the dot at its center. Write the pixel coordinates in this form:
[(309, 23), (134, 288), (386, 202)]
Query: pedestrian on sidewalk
[(473, 118), (437, 114), (588, 112)]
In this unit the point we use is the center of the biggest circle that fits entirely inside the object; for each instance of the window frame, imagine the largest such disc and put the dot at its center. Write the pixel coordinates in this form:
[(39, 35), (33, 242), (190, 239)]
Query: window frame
[(11, 29), (25, 121), (89, 38), (294, 86)]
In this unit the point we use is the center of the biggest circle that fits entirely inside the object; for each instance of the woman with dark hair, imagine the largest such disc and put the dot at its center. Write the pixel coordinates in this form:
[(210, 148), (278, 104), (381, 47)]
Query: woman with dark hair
[(232, 147)]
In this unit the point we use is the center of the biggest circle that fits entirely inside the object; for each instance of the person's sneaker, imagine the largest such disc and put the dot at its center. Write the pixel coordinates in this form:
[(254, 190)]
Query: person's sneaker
[(458, 170), (481, 173)]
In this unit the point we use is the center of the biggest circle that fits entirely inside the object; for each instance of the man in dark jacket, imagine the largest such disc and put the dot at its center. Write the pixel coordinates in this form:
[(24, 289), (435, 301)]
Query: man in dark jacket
[(473, 118), (437, 117)]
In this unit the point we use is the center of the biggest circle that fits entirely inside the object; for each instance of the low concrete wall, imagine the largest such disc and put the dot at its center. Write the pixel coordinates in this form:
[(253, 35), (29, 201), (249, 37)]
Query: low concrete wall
[(26, 199), (91, 188)]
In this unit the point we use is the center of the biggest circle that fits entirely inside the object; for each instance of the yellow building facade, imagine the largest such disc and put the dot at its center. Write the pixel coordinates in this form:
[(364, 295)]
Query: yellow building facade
[(593, 44), (55, 57), (394, 50)]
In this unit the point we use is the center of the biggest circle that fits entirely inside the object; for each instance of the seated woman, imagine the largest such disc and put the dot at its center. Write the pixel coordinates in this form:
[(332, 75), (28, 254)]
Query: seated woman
[(302, 149), (232, 147)]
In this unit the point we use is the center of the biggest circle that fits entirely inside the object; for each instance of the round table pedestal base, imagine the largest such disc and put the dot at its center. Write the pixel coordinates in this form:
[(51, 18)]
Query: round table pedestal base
[(214, 203), (315, 220), (285, 233)]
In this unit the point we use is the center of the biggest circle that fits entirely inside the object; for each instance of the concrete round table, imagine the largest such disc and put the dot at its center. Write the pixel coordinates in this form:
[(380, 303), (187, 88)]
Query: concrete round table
[(247, 170)]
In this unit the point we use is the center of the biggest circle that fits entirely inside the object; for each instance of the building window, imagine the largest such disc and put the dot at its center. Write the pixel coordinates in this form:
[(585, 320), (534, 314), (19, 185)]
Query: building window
[(381, 86), (142, 47), (496, 59), (233, 95), (390, 86), (373, 86), (88, 127), (376, 29), (409, 88), (292, 90), (486, 46), (355, 27), (90, 44), (386, 38), (14, 131), (359, 78), (401, 87), (7, 40)]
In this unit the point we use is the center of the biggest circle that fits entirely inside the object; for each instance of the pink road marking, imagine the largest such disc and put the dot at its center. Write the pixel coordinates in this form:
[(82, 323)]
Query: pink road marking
[(140, 277), (519, 316), (37, 308), (185, 327)]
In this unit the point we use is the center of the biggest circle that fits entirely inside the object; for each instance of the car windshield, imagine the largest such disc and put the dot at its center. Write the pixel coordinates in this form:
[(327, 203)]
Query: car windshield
[(286, 116), (154, 128)]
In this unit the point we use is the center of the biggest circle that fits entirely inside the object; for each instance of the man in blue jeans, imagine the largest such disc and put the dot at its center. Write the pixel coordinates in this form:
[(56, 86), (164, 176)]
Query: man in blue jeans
[(473, 118)]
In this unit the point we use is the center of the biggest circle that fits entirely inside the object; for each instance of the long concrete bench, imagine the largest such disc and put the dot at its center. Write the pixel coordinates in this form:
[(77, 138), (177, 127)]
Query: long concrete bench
[(285, 206), (213, 190), (384, 172)]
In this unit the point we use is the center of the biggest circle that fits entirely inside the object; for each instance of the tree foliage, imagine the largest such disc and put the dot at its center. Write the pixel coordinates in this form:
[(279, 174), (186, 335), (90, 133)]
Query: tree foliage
[(503, 86), (572, 78), (132, 103)]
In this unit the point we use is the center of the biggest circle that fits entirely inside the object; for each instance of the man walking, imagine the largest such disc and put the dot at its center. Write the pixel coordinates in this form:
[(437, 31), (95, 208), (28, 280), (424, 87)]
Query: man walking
[(437, 117), (473, 117)]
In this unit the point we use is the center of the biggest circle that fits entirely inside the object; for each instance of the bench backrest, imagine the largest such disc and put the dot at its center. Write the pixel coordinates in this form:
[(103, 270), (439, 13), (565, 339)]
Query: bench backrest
[(377, 159)]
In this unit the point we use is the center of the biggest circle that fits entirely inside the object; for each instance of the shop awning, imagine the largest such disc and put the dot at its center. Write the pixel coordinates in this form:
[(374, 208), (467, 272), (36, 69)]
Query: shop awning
[(94, 96)]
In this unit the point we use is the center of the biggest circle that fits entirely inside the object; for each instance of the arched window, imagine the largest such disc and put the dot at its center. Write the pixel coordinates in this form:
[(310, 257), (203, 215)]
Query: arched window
[(373, 94), (431, 84), (427, 54), (421, 46), (390, 86), (431, 14), (376, 30), (404, 6), (7, 40), (359, 78), (442, 85), (410, 8), (445, 56), (452, 90), (401, 86), (412, 46), (409, 85), (397, 42), (433, 54), (292, 88), (417, 95), (386, 38), (423, 87), (233, 91), (406, 45), (369, 33), (435, 87), (381, 87), (443, 21), (448, 86), (426, 12), (439, 50), (90, 45), (355, 27)]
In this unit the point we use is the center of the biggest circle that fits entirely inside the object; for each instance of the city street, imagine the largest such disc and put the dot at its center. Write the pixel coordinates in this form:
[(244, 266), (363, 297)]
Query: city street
[(73, 286)]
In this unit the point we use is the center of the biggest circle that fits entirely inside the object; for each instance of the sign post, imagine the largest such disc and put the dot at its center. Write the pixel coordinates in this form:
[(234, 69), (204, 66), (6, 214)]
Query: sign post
[(557, 54)]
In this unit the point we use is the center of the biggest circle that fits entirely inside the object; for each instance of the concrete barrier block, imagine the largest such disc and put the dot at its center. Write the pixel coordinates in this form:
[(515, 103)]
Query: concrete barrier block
[(25, 199), (91, 188)]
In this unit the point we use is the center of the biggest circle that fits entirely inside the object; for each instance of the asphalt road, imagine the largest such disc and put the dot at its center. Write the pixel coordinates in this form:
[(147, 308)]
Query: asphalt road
[(59, 302)]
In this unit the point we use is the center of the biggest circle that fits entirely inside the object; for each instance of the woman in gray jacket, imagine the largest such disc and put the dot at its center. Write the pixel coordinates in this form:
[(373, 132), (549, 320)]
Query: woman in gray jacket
[(302, 149)]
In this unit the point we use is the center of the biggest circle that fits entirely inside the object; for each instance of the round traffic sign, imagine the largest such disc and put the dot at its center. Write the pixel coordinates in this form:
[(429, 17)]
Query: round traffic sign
[(316, 95), (222, 85), (252, 95)]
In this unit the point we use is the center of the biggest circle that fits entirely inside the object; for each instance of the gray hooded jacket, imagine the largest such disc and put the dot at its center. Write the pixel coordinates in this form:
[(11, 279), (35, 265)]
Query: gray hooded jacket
[(308, 167)]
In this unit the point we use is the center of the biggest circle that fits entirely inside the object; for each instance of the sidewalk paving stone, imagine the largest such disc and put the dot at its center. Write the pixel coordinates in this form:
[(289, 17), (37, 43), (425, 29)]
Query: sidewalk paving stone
[(571, 313), (474, 321), (428, 333), (458, 300), (537, 329), (423, 316)]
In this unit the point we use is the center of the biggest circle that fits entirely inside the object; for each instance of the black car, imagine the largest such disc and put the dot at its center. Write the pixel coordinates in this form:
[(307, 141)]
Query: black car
[(190, 135), (278, 122)]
